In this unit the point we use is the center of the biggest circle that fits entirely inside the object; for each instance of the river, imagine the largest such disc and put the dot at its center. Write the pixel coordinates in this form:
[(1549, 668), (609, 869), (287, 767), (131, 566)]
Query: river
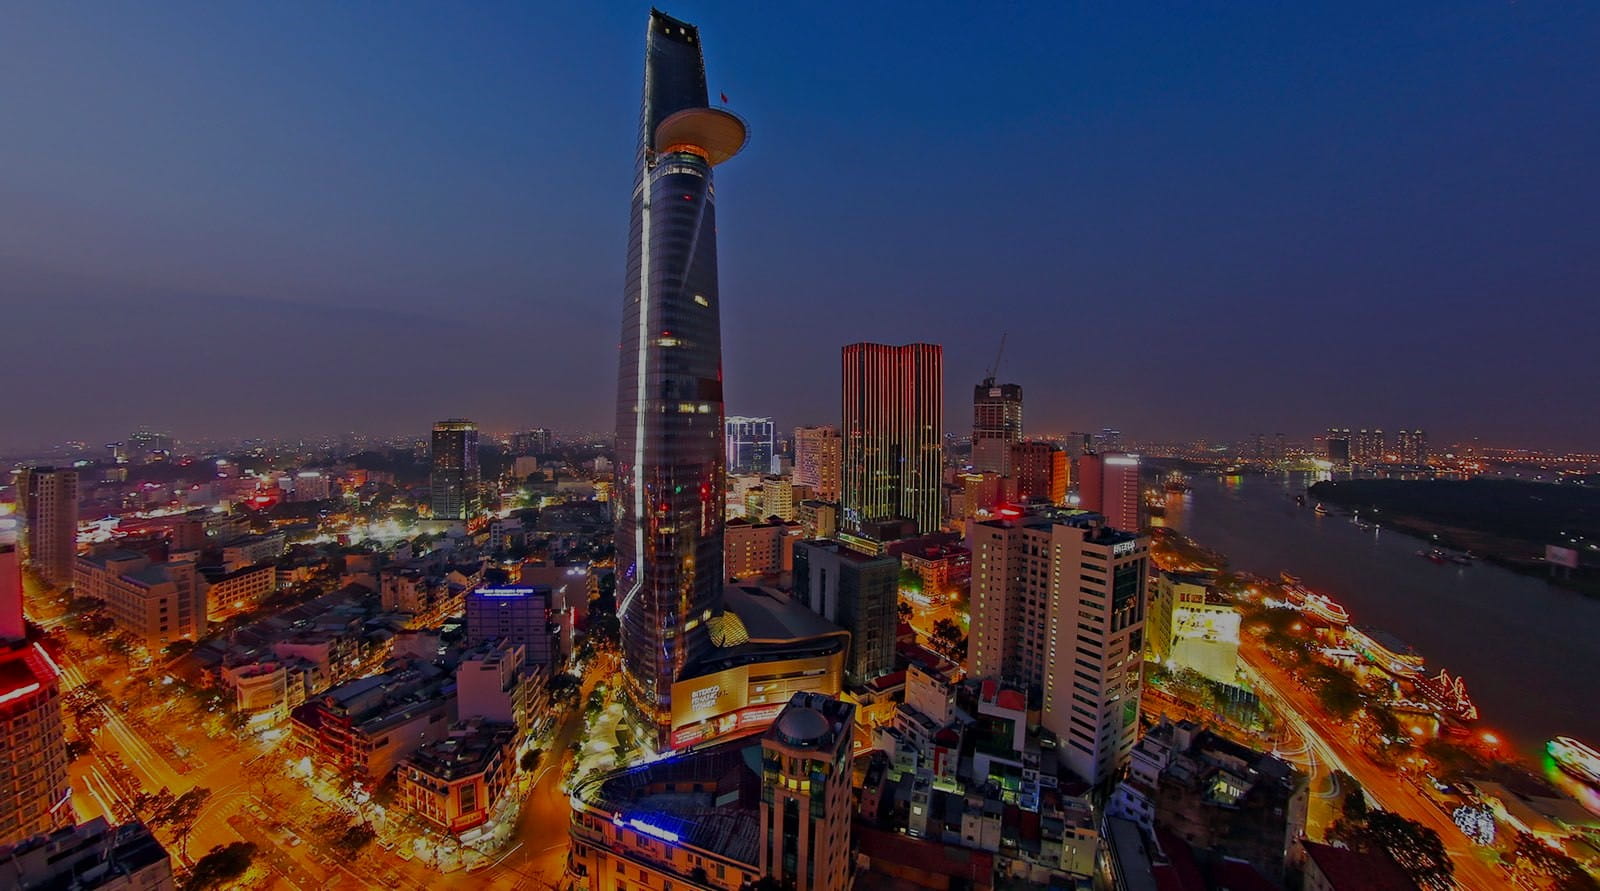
[(1529, 651)]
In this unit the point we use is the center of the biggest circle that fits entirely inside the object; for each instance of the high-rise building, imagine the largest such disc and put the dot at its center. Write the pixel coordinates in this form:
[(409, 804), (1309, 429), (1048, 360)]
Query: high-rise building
[(996, 425), (857, 592), (535, 442), (1058, 608), (670, 460), (1412, 446), (893, 440), (34, 795), (1369, 447), (750, 445), (47, 502), (805, 794), (818, 519), (453, 485), (1108, 484), (516, 614), (816, 461), (1109, 439), (1040, 471), (1339, 446), (12, 624)]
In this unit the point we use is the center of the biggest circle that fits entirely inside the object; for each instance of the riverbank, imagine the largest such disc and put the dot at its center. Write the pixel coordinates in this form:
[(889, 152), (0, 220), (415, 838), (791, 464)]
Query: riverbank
[(1479, 516)]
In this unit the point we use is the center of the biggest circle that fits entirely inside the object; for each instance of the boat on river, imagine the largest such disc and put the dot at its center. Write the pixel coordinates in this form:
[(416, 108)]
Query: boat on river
[(1575, 758)]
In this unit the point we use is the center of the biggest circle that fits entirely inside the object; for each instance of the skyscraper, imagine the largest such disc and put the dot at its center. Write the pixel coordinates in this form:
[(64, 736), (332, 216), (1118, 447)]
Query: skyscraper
[(816, 461), (669, 470), (453, 483), (1412, 446), (893, 430), (47, 501), (1058, 606), (996, 425), (1108, 484), (750, 445), (1040, 470)]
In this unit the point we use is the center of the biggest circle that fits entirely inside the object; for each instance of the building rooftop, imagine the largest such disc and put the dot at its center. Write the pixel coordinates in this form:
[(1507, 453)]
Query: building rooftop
[(1348, 870), (707, 798), (467, 751)]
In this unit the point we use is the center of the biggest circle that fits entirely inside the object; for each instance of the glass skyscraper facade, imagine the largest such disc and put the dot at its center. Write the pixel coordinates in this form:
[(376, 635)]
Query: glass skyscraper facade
[(669, 476)]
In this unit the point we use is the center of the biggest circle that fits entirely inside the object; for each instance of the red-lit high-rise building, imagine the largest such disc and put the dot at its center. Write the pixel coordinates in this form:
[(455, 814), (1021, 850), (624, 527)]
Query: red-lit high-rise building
[(893, 413), (1040, 470)]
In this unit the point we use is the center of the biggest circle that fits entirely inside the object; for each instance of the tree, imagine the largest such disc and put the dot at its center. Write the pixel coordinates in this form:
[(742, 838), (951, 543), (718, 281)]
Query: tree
[(948, 640), (1564, 873), (183, 813), (220, 865), (1339, 693), (903, 611), (355, 837), (565, 689), (530, 760), (1417, 848)]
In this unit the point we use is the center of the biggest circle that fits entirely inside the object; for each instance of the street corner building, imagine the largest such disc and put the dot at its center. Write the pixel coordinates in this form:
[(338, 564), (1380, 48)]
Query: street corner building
[(669, 390)]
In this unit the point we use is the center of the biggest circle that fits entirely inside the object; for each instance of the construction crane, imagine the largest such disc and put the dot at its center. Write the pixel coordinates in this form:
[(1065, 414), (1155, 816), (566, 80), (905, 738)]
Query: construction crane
[(988, 378)]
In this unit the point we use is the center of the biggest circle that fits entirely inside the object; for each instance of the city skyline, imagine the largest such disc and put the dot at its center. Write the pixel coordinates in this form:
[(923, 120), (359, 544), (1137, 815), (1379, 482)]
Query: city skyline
[(1277, 291)]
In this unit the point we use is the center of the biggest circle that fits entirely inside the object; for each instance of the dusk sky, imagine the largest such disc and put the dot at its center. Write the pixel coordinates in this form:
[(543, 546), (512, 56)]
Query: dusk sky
[(1201, 220)]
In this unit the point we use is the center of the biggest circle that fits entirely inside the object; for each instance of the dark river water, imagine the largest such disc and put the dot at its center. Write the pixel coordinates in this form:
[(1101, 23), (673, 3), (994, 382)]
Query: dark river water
[(1530, 652)]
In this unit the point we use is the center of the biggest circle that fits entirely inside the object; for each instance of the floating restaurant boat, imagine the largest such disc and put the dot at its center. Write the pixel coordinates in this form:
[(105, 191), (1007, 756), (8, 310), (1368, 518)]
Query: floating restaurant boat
[(1575, 758)]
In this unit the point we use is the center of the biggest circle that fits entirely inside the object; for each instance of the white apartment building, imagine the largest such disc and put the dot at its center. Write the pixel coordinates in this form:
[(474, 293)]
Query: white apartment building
[(1058, 608)]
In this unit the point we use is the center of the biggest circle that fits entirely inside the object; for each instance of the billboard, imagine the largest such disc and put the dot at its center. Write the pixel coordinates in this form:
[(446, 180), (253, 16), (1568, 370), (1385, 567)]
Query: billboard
[(1555, 555)]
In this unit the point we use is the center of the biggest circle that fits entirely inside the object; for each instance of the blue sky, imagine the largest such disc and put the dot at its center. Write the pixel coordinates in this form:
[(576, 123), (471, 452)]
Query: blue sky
[(1199, 219)]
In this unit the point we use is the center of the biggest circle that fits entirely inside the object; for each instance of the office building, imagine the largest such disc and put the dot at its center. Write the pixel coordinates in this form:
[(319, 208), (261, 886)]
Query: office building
[(805, 794), (817, 458), (453, 484), (1040, 472), (1338, 446), (893, 413), (750, 445), (818, 519), (721, 817), (669, 454), (1190, 625), (47, 502), (1412, 447), (517, 614), (92, 856), (532, 443), (996, 426), (495, 683), (859, 593), (155, 603), (34, 793), (1108, 484), (1058, 608), (752, 550)]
